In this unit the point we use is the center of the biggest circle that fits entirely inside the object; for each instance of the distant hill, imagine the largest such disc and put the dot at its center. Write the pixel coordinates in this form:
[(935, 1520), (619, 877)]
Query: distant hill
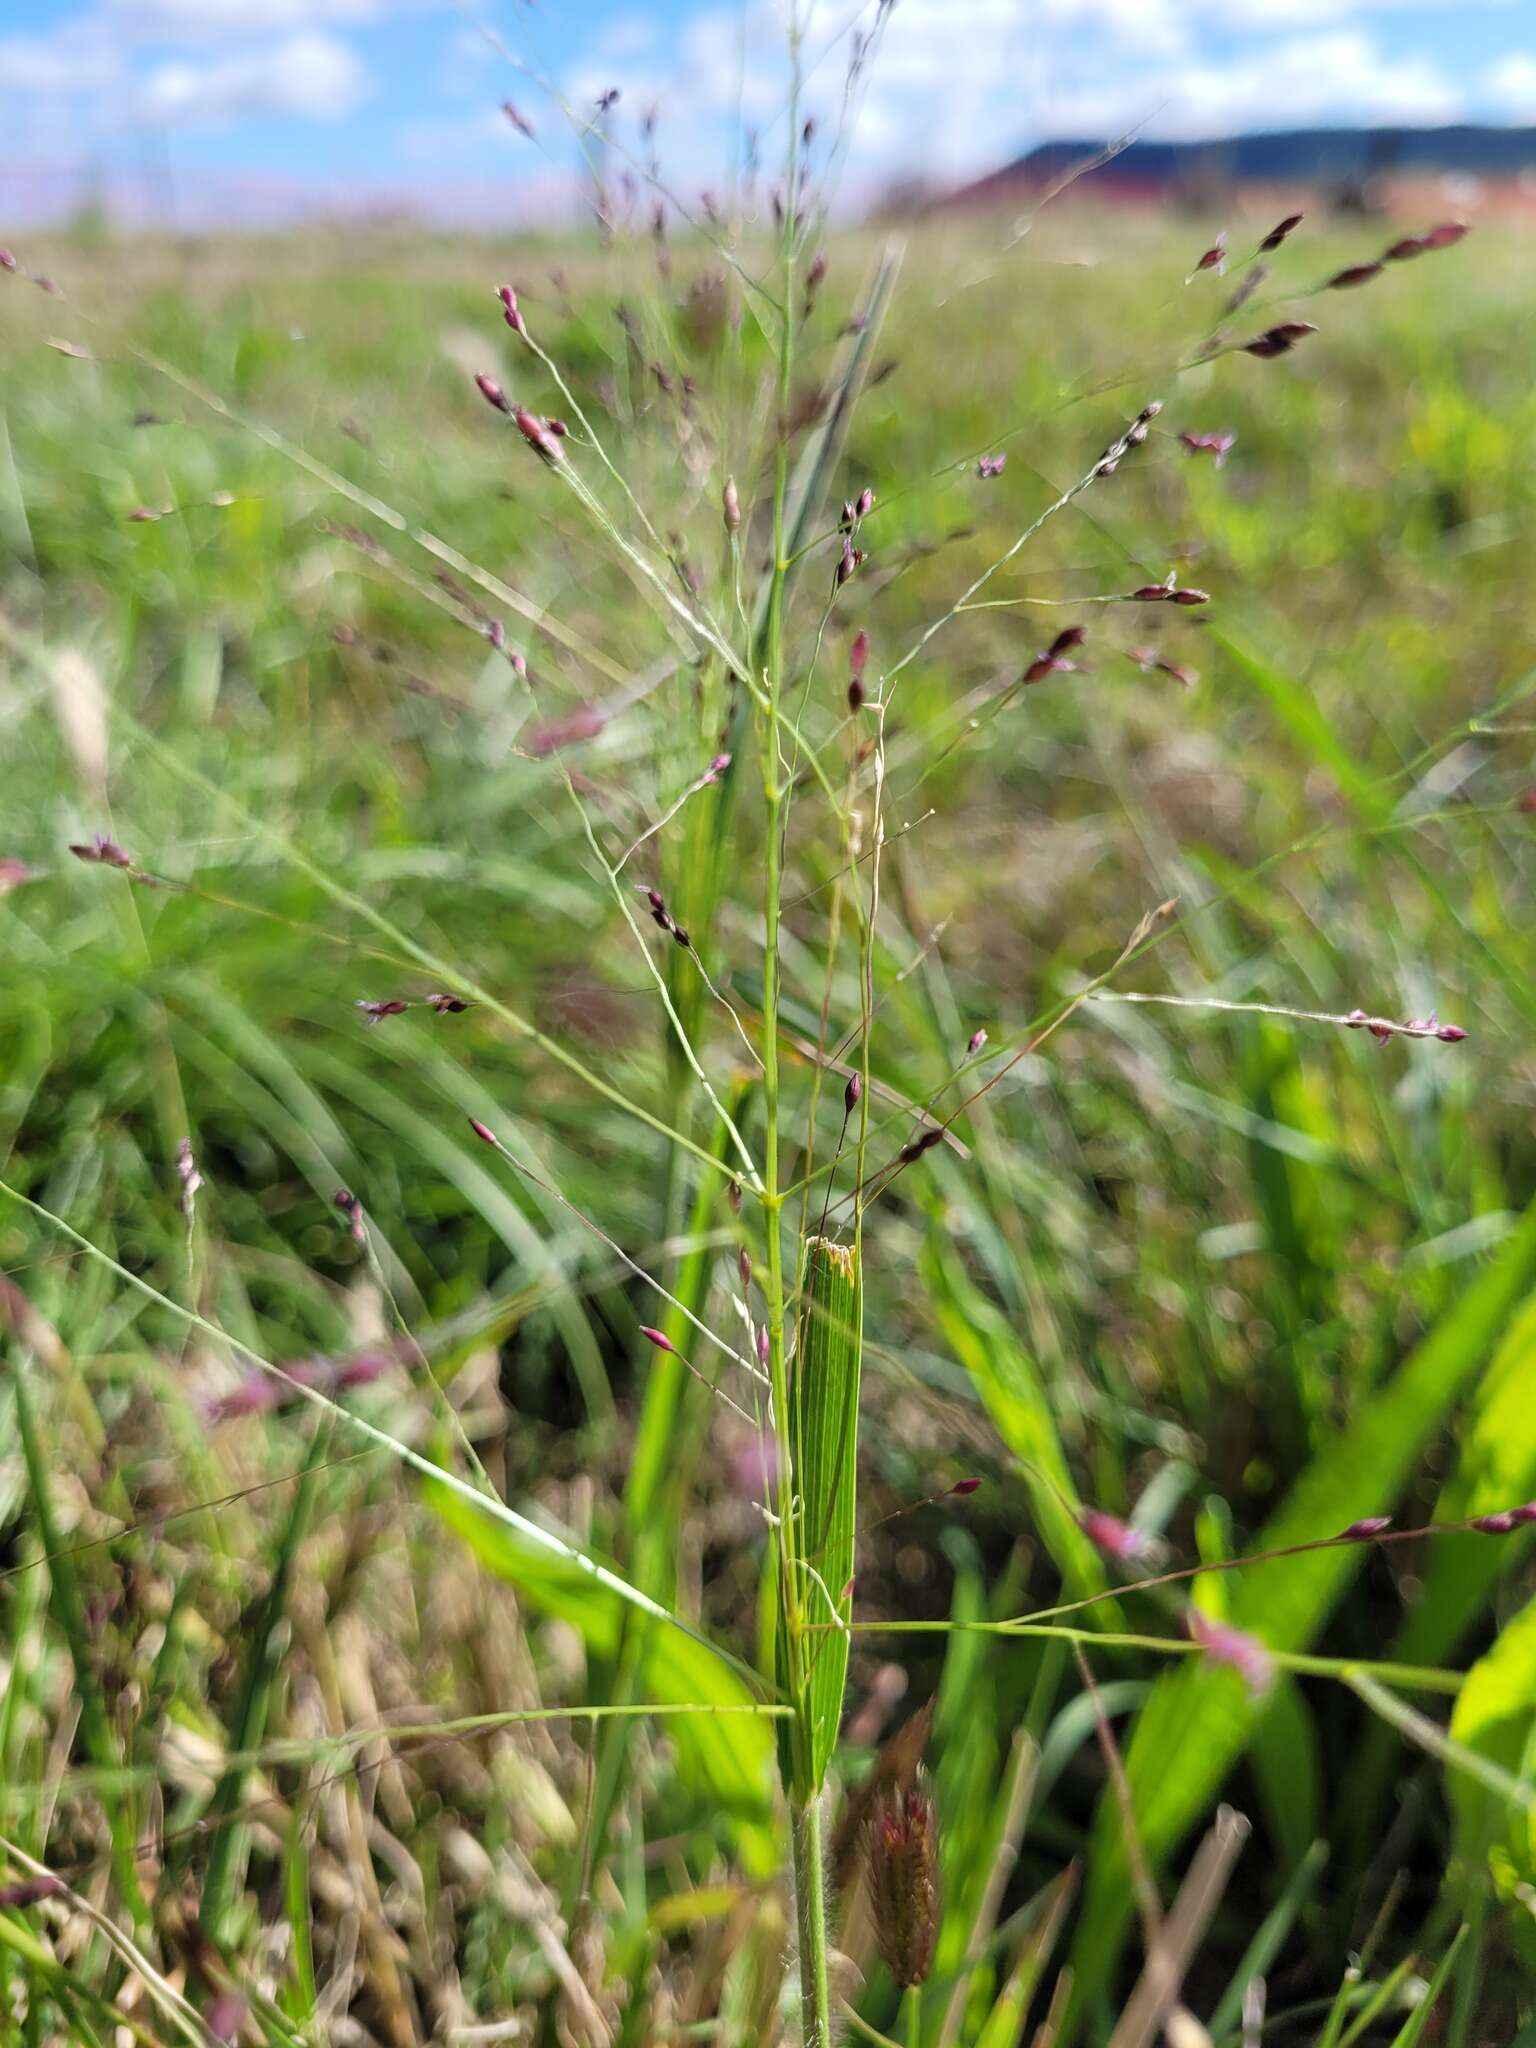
[(1286, 156)]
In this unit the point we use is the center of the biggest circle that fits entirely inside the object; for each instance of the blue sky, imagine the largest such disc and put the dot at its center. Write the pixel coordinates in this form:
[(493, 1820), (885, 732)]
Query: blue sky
[(262, 105)]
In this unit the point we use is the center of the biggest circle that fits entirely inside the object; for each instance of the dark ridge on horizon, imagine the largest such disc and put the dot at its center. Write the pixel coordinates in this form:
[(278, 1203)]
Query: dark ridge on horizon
[(1282, 155)]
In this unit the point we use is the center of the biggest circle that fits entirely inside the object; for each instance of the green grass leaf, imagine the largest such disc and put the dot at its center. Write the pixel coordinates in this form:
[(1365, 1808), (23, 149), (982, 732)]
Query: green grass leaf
[(730, 1761), (824, 1436), (1198, 1721)]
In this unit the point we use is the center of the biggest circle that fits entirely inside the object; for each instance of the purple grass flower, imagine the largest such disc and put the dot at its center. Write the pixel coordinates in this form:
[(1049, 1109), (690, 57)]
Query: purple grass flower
[(901, 1854), (1234, 1648), (990, 466), (103, 850), (1116, 1541), (1217, 446), (28, 1890)]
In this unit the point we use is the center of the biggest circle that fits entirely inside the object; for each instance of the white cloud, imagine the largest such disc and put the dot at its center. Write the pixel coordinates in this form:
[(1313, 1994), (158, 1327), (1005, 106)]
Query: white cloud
[(205, 22), (313, 76), (1307, 81), (58, 66), (959, 86), (1512, 85)]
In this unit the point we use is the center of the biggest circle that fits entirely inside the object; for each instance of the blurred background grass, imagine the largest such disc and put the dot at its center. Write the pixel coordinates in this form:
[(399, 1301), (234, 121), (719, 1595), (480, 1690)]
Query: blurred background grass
[(1179, 1266)]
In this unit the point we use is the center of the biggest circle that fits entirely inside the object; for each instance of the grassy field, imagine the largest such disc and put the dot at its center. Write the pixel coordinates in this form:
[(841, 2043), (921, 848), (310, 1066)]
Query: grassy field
[(301, 1743)]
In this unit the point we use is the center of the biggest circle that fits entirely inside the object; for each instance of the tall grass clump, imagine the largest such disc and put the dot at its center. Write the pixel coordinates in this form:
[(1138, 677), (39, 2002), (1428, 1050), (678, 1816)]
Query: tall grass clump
[(742, 1252)]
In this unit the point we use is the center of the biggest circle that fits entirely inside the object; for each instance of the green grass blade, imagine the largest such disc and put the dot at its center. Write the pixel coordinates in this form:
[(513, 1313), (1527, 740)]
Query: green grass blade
[(226, 1859), (1413, 2027), (732, 1764), (95, 1727), (1494, 1722), (824, 1434), (1197, 1721)]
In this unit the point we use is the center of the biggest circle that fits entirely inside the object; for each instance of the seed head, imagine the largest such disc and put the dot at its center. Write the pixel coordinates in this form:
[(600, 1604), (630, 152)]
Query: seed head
[(923, 1142), (1148, 659), (963, 1487), (1525, 1514), (744, 1266), (1054, 659), (858, 656), (901, 1854), (482, 1131), (7, 260), (492, 392), (976, 1041), (730, 506), (733, 1196), (1447, 235), (1280, 230), (659, 1339), (448, 1005), (376, 1012), (518, 120), (187, 1173), (865, 503), (1353, 274), (990, 466), (1494, 1525), (542, 436), (1278, 341), (852, 1093), (1363, 1530), (1256, 275), (1167, 592), (1214, 258), (510, 314)]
